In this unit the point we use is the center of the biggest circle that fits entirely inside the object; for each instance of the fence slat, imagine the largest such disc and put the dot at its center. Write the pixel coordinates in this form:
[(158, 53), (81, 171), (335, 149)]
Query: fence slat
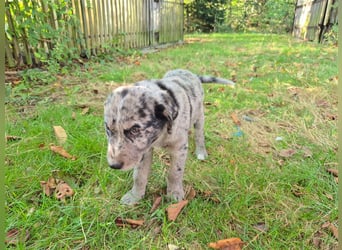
[(95, 26), (311, 19)]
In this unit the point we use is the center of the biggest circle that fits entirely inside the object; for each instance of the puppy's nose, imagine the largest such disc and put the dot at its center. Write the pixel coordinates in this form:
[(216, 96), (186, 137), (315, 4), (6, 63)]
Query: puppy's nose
[(117, 165)]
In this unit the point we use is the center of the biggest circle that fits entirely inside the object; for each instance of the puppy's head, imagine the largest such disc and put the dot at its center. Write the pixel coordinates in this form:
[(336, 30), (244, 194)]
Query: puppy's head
[(134, 118)]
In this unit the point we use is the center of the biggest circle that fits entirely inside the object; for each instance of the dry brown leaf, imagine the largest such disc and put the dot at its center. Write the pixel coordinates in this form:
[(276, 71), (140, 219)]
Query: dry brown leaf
[(190, 193), (135, 222), (227, 244), (49, 186), (61, 151), (12, 138), (60, 134), (16, 236), (156, 204), (63, 190), (317, 239), (174, 209), (332, 228), (286, 153), (57, 186), (120, 222), (333, 171), (235, 119)]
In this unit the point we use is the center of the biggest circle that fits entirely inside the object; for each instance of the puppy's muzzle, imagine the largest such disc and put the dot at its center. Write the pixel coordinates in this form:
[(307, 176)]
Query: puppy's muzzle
[(116, 165)]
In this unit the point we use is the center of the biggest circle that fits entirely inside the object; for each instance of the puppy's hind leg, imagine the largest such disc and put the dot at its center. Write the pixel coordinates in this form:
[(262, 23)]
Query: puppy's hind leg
[(201, 152), (140, 177)]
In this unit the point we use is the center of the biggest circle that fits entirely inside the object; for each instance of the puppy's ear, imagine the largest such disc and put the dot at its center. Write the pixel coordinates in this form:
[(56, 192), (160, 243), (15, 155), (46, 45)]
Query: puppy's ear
[(162, 113), (166, 115)]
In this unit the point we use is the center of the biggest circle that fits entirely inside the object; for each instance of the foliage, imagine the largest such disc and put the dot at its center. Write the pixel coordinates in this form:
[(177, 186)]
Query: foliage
[(262, 15), (42, 27), (204, 15)]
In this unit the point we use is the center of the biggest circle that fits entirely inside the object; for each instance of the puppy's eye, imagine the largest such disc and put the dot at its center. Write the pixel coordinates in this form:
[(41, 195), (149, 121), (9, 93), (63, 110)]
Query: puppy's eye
[(109, 132), (133, 131)]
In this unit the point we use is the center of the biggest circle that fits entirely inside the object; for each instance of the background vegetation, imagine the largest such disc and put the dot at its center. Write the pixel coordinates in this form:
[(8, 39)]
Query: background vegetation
[(274, 16)]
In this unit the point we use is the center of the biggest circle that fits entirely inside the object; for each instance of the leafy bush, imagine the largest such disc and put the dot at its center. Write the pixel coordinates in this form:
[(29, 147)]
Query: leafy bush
[(227, 15), (43, 28), (204, 15)]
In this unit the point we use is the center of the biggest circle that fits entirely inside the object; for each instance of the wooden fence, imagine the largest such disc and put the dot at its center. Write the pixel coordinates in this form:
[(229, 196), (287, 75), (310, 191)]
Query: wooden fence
[(313, 18), (37, 29)]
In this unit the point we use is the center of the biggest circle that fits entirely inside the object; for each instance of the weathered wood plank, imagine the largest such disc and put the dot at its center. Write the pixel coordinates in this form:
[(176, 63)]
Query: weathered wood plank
[(100, 24)]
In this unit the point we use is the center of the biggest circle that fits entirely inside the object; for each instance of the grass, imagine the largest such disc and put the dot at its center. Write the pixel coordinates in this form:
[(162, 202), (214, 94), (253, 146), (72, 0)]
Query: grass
[(288, 87)]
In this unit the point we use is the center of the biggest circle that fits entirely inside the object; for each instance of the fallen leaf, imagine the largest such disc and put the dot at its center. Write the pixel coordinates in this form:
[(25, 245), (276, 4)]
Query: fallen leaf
[(286, 153), (61, 151), (333, 171), (57, 186), (120, 222), (174, 209), (63, 190), (190, 193), (49, 186), (227, 244), (317, 239), (322, 103), (60, 134), (235, 119), (12, 138), (332, 228), (16, 236), (331, 117), (135, 222), (156, 204)]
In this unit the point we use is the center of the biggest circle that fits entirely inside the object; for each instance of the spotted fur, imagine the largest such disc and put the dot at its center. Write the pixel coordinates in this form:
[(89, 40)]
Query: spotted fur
[(156, 113)]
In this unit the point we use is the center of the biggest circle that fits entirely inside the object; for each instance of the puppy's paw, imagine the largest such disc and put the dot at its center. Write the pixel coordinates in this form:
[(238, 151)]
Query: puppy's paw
[(201, 154), (130, 199), (176, 195)]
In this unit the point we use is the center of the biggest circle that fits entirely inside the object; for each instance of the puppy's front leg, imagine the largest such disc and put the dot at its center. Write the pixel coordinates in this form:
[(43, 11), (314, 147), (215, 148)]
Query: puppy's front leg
[(175, 178), (140, 177)]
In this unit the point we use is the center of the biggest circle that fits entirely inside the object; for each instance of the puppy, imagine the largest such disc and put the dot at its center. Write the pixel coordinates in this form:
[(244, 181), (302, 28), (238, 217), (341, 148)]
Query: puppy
[(156, 113)]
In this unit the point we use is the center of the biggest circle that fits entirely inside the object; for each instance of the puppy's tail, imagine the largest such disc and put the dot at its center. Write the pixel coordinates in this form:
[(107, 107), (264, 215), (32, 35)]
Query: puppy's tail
[(213, 79)]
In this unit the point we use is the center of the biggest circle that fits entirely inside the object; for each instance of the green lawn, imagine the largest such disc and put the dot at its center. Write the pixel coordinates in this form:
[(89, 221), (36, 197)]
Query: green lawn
[(270, 197)]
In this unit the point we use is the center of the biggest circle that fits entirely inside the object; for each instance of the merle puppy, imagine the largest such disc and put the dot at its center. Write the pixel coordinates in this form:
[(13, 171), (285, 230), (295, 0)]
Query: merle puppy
[(156, 113)]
